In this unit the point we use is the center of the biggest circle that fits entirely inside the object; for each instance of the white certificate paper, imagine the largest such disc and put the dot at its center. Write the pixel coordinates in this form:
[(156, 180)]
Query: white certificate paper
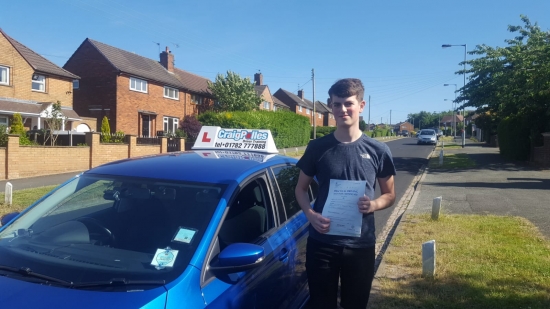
[(341, 207)]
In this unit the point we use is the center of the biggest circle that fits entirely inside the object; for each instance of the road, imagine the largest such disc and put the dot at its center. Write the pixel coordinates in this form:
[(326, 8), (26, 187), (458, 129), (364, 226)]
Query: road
[(408, 158)]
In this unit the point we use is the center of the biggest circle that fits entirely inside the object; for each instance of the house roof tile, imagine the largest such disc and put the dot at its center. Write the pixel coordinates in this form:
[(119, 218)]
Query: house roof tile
[(31, 108), (279, 102), (289, 97), (192, 82), (37, 62)]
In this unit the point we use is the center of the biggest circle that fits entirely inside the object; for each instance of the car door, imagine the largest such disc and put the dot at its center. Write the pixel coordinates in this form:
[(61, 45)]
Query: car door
[(285, 178), (251, 218)]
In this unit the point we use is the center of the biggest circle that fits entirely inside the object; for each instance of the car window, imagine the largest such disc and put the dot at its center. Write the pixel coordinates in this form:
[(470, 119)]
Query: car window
[(287, 178), (249, 216), (96, 228)]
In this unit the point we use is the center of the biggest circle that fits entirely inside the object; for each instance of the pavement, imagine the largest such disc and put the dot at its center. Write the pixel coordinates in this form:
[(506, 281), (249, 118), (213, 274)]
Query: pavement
[(494, 186)]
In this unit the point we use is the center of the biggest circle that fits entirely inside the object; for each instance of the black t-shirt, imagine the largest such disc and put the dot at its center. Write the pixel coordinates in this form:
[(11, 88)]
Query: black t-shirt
[(364, 159)]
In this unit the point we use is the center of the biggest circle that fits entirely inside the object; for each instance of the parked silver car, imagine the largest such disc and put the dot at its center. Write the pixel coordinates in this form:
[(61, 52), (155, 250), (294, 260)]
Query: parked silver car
[(427, 136)]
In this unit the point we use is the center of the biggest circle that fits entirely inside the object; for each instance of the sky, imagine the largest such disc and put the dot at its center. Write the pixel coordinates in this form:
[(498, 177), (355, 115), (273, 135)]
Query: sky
[(394, 47)]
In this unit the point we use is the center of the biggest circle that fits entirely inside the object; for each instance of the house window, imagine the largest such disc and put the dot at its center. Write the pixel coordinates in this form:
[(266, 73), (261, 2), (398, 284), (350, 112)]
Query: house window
[(3, 121), (76, 83), (38, 82), (307, 111), (319, 115), (4, 75), (171, 93), (274, 107), (170, 124), (137, 84), (196, 99), (299, 108), (266, 105)]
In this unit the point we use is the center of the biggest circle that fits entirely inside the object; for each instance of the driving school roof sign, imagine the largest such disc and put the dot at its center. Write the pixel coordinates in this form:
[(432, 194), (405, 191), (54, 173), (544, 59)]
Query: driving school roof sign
[(236, 139)]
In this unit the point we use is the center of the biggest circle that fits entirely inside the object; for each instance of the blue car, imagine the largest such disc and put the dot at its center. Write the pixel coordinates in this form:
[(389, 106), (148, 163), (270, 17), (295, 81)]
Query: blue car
[(208, 228)]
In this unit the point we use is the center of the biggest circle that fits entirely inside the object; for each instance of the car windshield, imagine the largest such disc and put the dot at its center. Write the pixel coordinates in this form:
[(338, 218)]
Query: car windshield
[(427, 132), (96, 228)]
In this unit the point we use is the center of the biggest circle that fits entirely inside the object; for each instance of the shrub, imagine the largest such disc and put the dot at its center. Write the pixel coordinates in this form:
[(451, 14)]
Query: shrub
[(105, 130), (119, 137), (3, 136), (18, 129), (191, 126)]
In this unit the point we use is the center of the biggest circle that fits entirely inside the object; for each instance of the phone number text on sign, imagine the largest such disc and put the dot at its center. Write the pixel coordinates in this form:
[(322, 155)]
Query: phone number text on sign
[(241, 145)]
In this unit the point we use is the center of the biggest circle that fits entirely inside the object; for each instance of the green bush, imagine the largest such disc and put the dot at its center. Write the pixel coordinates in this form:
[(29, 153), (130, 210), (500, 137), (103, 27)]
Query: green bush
[(322, 130), (105, 130), (3, 136), (18, 129), (513, 138), (118, 138), (288, 129)]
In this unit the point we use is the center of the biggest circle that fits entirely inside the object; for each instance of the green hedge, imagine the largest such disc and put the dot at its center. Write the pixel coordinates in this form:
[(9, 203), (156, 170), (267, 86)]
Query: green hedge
[(380, 132), (322, 131), (513, 138), (288, 129)]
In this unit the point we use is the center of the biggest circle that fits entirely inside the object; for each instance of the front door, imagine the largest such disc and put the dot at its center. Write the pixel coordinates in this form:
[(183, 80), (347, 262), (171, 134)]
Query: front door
[(145, 125)]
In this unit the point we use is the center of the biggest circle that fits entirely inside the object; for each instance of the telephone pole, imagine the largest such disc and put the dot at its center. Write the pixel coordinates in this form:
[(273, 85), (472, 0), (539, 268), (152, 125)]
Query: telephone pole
[(368, 124), (314, 114)]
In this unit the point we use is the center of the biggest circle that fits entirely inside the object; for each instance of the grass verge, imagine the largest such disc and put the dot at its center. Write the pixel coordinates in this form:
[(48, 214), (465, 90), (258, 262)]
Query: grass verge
[(482, 262), (23, 198), (451, 161)]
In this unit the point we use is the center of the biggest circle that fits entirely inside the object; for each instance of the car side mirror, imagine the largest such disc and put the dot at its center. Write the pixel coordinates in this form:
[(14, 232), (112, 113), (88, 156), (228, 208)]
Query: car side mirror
[(238, 257), (7, 218)]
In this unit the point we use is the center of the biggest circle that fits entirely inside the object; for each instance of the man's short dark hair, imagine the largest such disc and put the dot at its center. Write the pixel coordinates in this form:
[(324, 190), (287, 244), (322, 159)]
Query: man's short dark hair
[(347, 87)]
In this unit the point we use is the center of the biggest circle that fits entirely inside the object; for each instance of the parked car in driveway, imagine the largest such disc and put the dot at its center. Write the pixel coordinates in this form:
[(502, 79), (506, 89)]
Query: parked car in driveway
[(405, 133), (216, 227), (427, 136)]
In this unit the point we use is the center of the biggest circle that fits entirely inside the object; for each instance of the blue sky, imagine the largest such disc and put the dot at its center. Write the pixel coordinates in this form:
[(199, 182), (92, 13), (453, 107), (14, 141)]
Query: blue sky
[(394, 47)]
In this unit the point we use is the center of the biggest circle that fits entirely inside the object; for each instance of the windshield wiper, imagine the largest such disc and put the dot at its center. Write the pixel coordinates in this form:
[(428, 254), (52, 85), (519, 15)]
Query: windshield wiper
[(118, 282), (27, 272)]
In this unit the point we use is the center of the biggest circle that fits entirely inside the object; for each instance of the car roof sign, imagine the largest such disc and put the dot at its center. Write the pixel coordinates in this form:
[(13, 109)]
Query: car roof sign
[(216, 138)]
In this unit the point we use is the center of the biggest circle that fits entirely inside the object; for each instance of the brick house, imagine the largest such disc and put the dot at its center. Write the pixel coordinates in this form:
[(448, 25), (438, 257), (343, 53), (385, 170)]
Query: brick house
[(263, 91), (404, 126), (30, 84), (139, 96), (301, 106)]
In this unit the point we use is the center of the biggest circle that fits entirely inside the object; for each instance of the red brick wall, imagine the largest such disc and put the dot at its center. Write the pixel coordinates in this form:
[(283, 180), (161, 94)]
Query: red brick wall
[(97, 84)]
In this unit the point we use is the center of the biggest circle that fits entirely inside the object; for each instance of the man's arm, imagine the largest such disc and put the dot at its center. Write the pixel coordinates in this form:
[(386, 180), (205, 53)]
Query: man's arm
[(386, 199), (319, 223)]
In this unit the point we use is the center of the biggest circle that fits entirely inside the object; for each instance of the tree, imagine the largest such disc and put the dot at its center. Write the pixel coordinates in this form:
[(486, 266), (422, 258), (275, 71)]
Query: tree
[(362, 125), (191, 126), (55, 121), (512, 81), (105, 130), (234, 93)]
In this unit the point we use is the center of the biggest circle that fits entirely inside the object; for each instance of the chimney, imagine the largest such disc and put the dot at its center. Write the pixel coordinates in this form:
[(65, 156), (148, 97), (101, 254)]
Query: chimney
[(301, 94), (258, 79), (167, 60)]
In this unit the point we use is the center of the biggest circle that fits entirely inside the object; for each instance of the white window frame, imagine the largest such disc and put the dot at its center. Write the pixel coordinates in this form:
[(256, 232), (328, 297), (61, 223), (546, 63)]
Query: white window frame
[(319, 114), (299, 108), (166, 124), (307, 111), (39, 80), (7, 75), (7, 121), (197, 99), (274, 107), (171, 93), (266, 105), (139, 85)]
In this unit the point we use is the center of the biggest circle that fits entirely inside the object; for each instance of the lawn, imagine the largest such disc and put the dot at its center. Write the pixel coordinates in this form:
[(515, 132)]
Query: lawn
[(23, 198), (481, 262)]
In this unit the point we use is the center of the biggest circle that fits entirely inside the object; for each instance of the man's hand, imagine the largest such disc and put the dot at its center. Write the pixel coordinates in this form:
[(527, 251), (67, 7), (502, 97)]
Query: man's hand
[(320, 224), (365, 205)]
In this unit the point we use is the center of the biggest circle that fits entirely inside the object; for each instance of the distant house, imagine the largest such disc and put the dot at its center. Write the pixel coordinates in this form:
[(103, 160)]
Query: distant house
[(403, 126), (262, 90), (447, 121), (30, 84), (138, 95), (301, 106)]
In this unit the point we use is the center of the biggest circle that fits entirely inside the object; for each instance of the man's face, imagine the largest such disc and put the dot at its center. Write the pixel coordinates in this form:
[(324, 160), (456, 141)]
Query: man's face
[(346, 110)]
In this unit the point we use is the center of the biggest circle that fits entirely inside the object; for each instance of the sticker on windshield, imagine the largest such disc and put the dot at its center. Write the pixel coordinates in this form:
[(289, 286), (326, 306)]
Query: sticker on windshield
[(164, 258), (184, 235)]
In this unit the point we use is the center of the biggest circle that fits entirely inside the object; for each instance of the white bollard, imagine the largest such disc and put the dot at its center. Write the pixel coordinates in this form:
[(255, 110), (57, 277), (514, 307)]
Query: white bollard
[(436, 207), (441, 157), (296, 150), (428, 258), (284, 150), (8, 192)]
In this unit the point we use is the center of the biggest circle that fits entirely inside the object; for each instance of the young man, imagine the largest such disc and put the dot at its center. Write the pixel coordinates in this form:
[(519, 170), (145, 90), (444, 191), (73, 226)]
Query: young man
[(346, 154)]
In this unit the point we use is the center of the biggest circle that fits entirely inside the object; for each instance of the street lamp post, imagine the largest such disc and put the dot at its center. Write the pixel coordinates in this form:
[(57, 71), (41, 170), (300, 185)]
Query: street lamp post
[(464, 88), (454, 113)]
